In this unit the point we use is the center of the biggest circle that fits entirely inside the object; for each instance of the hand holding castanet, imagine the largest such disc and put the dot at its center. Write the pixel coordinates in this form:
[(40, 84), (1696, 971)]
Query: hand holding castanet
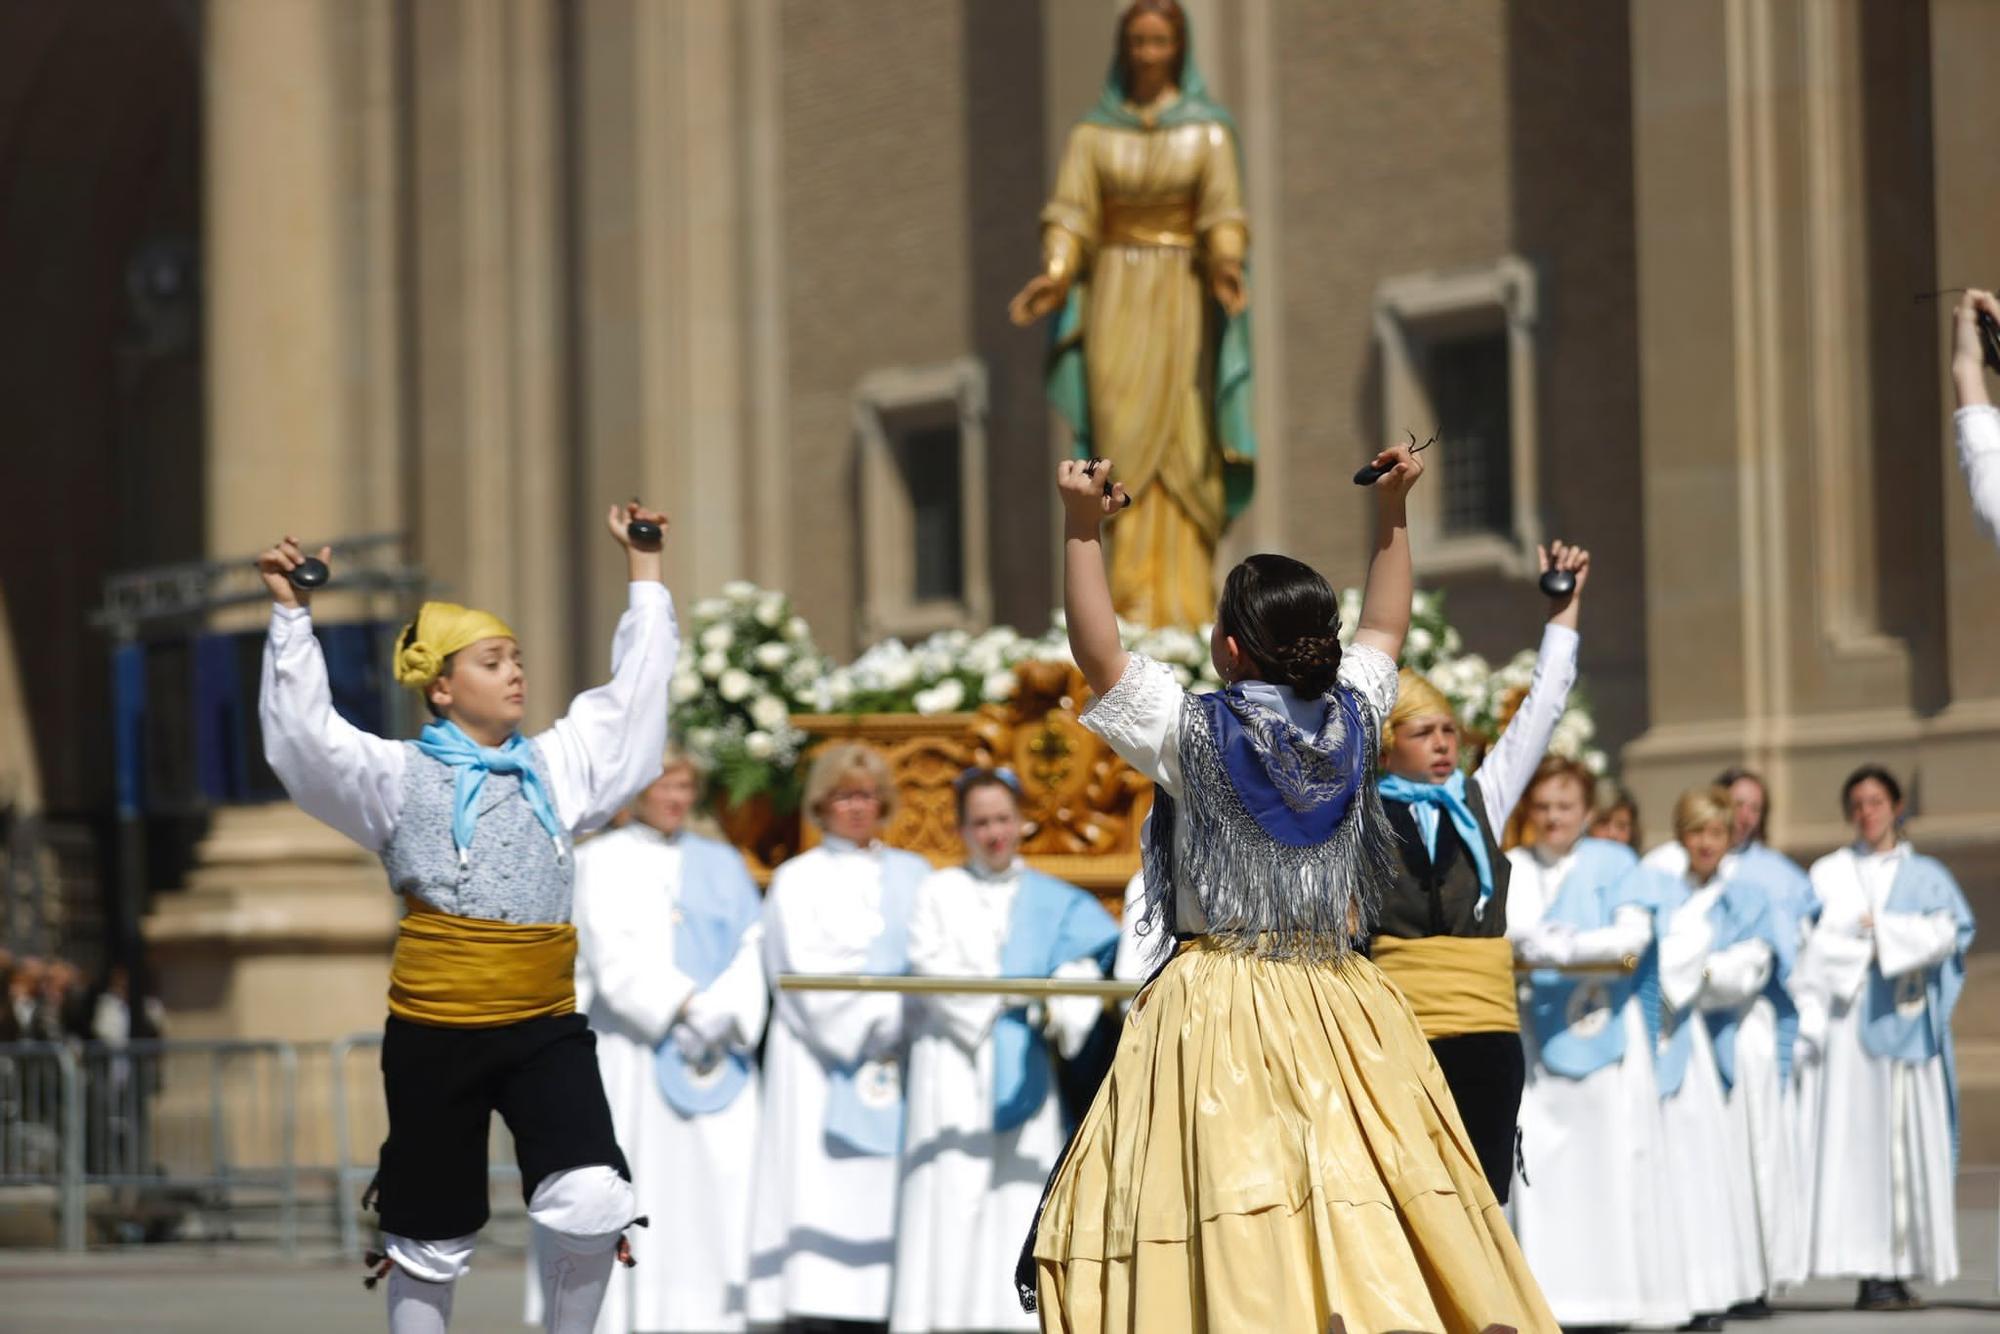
[(290, 574)]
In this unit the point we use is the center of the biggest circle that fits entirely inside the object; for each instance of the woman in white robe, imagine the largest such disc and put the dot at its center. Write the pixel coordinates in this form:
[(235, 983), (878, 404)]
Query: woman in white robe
[(985, 1124), (1590, 1190), (823, 1222), (1877, 981), (670, 972), (1711, 957)]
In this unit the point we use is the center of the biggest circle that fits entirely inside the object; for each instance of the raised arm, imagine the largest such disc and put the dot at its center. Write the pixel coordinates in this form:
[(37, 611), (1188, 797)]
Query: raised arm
[(1385, 600), (611, 741), (1089, 496), (337, 773), (1503, 775)]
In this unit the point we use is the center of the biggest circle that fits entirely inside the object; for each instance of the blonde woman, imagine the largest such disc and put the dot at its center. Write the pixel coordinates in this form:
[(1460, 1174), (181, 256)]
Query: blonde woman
[(823, 1219)]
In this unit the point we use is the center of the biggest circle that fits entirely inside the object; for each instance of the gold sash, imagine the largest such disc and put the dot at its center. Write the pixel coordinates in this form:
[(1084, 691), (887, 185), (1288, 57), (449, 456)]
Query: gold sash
[(1456, 984), (468, 972), (1168, 223)]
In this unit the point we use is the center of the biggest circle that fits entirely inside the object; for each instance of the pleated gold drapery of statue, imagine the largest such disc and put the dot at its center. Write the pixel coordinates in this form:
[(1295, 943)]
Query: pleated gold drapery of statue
[(1137, 215)]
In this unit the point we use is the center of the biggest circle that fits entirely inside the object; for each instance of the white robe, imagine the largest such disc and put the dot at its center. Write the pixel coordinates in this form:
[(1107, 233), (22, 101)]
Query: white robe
[(1708, 1156), (1782, 1114), (823, 1224), (1590, 1201), (1884, 1203), (969, 1194), (692, 1175)]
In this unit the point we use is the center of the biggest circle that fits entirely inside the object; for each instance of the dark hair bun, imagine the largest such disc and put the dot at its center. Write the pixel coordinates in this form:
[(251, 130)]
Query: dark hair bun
[(1286, 618)]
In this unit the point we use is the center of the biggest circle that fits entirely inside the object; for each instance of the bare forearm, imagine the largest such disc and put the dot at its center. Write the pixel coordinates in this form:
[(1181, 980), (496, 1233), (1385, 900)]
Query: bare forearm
[(644, 566), (1969, 379), (1093, 624), (1385, 601)]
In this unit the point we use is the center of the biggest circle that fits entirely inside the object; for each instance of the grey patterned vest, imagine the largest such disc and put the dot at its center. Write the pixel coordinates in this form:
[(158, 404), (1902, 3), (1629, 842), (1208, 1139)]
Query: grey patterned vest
[(514, 872)]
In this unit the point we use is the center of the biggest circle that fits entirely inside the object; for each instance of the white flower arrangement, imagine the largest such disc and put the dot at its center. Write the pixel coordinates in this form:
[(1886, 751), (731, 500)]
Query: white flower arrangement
[(758, 665), (750, 664)]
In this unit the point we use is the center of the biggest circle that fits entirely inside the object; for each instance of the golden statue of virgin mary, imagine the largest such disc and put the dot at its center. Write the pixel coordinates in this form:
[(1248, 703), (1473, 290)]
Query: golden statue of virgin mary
[(1143, 246)]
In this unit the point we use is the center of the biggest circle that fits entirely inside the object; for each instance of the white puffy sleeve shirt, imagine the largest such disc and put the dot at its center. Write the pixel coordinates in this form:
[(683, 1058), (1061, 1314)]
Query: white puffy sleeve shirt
[(1977, 427), (599, 754)]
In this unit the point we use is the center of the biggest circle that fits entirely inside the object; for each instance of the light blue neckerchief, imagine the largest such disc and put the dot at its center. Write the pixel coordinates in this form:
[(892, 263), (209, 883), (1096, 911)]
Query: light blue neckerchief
[(444, 742), (1450, 795)]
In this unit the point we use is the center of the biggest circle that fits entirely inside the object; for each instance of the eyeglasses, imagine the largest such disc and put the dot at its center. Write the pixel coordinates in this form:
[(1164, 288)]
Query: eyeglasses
[(867, 794)]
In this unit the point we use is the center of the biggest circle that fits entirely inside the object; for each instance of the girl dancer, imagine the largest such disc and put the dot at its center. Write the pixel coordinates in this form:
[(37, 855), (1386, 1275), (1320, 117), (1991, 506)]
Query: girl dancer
[(1275, 1147)]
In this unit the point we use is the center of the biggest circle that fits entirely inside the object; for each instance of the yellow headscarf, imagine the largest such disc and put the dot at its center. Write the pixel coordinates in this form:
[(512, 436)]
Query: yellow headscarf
[(1415, 698), (440, 630)]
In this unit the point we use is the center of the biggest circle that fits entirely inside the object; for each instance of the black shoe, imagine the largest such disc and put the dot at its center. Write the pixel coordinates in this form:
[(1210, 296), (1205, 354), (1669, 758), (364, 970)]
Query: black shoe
[(1877, 1295), (1755, 1309), (1709, 1322)]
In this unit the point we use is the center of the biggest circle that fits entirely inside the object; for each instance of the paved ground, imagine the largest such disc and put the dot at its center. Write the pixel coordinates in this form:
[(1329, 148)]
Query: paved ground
[(176, 1289)]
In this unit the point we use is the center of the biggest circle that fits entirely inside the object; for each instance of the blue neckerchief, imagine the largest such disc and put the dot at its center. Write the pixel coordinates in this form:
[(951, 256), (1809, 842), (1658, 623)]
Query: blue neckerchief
[(1576, 1020), (1050, 924), (864, 1102), (718, 903), (1297, 787), (442, 740), (1449, 795), (1908, 1031)]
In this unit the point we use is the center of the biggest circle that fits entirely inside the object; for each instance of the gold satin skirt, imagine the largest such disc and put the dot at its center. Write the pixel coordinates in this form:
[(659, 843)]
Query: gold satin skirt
[(1273, 1149)]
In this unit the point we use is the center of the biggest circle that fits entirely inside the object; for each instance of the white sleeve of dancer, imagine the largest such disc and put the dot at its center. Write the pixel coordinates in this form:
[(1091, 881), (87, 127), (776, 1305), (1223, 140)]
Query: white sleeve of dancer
[(612, 740), (1977, 427), (841, 1027), (1833, 964), (1736, 975), (337, 773), (730, 1011), (1071, 1018), (1503, 775), (1908, 941), (1373, 673), (1140, 719)]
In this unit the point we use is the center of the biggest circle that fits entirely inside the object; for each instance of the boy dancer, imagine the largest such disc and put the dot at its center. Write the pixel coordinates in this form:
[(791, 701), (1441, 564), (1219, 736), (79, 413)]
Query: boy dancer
[(474, 823)]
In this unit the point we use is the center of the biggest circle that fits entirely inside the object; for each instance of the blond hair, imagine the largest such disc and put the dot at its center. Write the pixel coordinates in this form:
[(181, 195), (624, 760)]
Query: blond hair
[(1700, 807), (841, 760), (1415, 698)]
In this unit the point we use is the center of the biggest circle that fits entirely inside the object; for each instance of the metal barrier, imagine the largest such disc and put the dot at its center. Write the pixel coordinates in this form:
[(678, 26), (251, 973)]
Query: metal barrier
[(42, 1129), (200, 1120)]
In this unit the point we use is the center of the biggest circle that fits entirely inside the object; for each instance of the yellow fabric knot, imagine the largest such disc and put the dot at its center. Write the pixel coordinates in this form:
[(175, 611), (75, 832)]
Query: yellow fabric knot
[(440, 630)]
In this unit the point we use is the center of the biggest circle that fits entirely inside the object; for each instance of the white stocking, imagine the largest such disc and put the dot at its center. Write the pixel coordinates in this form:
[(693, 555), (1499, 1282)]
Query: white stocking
[(422, 1277), (417, 1307), (579, 1215)]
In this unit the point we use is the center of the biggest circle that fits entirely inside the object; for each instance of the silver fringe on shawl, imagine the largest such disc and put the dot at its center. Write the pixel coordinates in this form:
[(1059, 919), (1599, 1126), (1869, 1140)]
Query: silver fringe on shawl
[(1261, 896)]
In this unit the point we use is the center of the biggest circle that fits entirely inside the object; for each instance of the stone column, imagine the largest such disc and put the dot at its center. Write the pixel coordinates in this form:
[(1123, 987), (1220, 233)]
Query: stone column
[(283, 929), (1765, 638)]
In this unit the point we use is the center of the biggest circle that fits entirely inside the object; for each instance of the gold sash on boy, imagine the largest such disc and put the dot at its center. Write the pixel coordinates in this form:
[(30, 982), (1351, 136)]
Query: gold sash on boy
[(1456, 984), (468, 972)]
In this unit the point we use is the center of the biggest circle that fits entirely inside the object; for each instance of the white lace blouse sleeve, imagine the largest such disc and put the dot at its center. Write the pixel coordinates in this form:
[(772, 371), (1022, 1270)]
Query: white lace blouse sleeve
[(611, 742), (1371, 672), (1977, 426), (1140, 719), (337, 773)]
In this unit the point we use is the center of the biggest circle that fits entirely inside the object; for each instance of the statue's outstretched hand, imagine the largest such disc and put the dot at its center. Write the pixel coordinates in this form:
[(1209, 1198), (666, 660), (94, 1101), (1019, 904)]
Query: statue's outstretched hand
[(1040, 297)]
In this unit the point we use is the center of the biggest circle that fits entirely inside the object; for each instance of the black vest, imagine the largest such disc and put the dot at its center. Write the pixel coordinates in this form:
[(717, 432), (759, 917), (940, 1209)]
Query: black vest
[(1436, 897)]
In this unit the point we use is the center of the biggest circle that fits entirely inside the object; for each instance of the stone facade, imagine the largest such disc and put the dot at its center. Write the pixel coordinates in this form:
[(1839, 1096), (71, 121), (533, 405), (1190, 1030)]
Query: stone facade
[(473, 268)]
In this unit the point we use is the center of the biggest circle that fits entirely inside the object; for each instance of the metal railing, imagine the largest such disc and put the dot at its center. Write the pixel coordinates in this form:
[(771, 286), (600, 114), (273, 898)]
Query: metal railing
[(197, 1121)]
